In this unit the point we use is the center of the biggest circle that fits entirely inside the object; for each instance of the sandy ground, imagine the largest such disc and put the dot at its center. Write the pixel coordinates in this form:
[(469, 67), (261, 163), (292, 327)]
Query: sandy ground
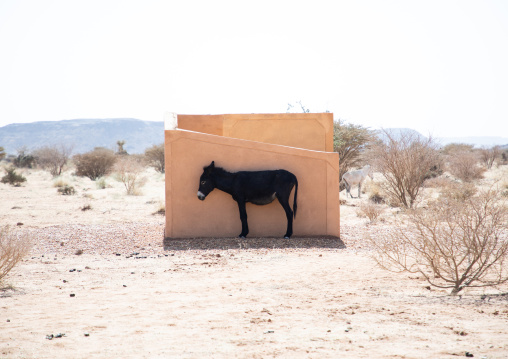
[(127, 296)]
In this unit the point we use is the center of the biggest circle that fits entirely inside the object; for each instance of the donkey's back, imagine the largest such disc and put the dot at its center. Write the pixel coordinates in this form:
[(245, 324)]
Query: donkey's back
[(263, 186)]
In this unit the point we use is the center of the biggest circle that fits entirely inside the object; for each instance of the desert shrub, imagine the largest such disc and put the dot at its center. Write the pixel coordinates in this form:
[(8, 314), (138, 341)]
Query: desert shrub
[(454, 148), (13, 178), (2, 153), (66, 190), (350, 142), (86, 207), (23, 159), (53, 158), (161, 209), (375, 192), (464, 165), (437, 182), (369, 210), (155, 157), (13, 247), (101, 183), (95, 164), (504, 157), (404, 161), (129, 172), (489, 155), (453, 243), (59, 182), (459, 191)]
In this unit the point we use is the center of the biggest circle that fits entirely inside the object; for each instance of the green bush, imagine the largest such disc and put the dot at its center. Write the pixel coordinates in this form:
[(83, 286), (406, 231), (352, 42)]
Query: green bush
[(66, 190), (12, 177), (95, 164)]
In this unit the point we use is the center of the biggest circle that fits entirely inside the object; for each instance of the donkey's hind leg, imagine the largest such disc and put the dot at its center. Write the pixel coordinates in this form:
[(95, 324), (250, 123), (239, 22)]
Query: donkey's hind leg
[(243, 218), (284, 201), (348, 188)]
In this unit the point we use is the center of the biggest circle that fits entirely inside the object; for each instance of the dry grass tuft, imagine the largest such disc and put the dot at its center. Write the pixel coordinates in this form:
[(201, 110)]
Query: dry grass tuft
[(370, 210), (129, 172)]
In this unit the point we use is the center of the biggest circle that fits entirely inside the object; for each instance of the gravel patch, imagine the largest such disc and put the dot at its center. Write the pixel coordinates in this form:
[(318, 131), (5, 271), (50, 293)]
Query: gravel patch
[(148, 239)]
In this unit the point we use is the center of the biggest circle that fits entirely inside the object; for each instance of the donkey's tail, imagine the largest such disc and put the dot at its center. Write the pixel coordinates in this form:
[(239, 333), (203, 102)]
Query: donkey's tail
[(294, 202)]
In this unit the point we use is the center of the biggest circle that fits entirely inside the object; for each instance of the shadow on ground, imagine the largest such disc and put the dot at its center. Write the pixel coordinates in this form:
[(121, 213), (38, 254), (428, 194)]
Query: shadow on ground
[(251, 243)]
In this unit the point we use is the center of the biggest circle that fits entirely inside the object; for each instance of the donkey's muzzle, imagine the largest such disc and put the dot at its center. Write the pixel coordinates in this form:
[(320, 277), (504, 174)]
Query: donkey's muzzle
[(201, 196)]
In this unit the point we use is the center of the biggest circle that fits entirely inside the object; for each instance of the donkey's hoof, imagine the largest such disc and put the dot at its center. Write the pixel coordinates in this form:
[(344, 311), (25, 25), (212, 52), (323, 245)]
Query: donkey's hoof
[(241, 237), (286, 237)]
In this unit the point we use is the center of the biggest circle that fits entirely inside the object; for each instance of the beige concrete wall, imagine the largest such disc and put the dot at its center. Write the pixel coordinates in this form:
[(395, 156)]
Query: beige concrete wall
[(312, 131), (188, 152)]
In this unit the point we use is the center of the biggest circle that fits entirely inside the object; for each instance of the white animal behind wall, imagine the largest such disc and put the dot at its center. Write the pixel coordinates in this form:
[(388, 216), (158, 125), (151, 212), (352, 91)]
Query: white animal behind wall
[(353, 178)]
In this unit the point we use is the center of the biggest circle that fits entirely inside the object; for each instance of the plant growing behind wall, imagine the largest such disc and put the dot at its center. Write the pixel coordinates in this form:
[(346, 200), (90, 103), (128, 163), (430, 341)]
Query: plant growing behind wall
[(454, 243), (155, 157), (405, 160)]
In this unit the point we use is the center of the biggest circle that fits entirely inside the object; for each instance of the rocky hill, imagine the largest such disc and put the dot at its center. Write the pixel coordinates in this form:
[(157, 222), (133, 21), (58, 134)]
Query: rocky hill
[(83, 134)]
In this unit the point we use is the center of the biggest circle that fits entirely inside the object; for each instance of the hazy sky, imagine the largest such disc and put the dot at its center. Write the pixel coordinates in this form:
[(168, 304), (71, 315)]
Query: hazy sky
[(440, 67)]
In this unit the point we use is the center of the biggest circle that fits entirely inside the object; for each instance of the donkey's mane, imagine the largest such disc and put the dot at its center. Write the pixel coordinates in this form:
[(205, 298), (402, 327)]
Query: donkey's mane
[(221, 171)]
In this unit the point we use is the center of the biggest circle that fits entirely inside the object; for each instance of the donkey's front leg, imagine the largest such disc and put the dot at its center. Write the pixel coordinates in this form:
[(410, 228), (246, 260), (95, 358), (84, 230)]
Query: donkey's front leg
[(243, 218)]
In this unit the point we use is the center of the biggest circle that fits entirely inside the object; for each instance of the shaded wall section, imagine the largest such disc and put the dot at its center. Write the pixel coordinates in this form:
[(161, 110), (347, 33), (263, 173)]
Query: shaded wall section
[(187, 152)]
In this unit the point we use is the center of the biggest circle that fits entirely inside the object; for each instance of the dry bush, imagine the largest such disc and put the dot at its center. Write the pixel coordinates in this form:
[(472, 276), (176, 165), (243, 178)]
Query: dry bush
[(370, 210), (464, 165), (154, 156), (375, 192), (129, 171), (438, 182), (454, 243), (59, 182), (405, 161), (454, 148), (459, 191), (95, 164), (13, 248), (489, 155), (504, 157), (53, 158)]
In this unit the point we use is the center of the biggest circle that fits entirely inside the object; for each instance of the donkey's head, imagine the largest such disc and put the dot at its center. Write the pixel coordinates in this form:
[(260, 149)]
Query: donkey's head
[(370, 171), (206, 181)]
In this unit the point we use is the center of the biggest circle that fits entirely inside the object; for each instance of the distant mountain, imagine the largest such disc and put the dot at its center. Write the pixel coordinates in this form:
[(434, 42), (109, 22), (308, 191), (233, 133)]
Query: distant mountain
[(86, 134), (477, 141), (83, 134), (396, 133)]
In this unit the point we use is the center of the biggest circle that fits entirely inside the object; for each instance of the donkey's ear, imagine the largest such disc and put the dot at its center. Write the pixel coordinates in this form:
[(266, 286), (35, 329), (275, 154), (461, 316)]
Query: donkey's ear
[(210, 166)]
